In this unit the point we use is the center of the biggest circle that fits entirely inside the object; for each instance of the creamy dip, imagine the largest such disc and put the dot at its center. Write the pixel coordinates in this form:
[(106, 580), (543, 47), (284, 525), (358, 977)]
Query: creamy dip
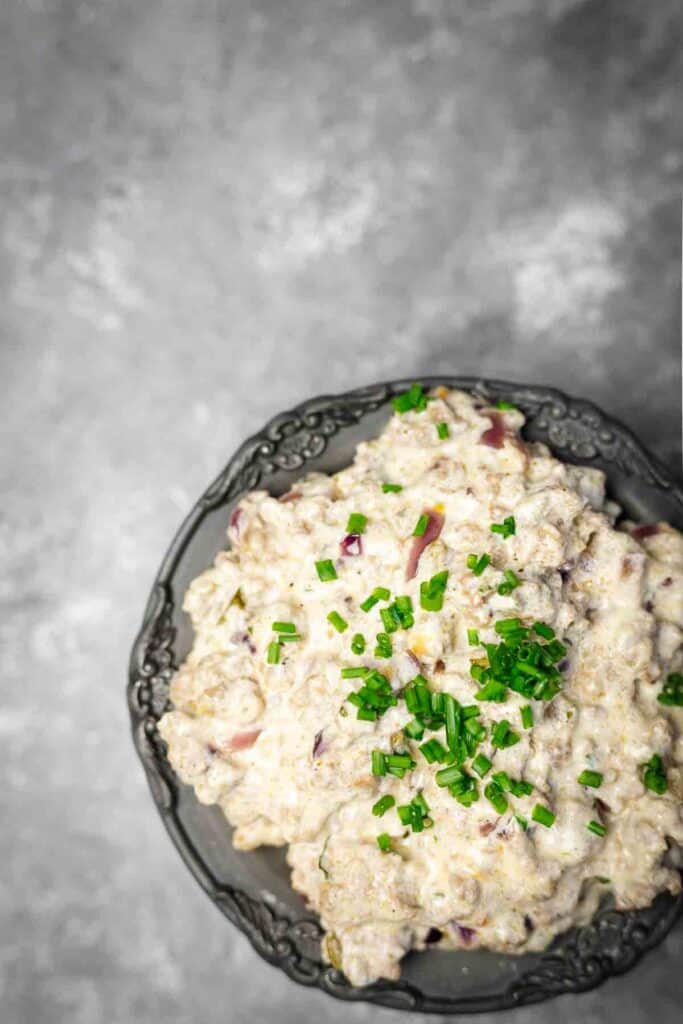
[(522, 809)]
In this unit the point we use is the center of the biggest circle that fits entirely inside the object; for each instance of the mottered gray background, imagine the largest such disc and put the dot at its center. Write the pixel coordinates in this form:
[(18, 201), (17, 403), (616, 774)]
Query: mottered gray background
[(209, 210)]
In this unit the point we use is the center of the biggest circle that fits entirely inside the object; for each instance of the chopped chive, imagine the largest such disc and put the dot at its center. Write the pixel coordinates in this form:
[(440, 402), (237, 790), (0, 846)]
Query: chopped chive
[(654, 775), (392, 488), (378, 594), (502, 779), (523, 823), (511, 582), (405, 813), (442, 430), (366, 715), (599, 830), (335, 619), (503, 736), (356, 523), (383, 805), (383, 647), (527, 716), (284, 627), (506, 626), (354, 672), (447, 776), (542, 815), (432, 592), (543, 630), (506, 406), (273, 653), (506, 529), (481, 765), (519, 787), (358, 643), (378, 763), (589, 778), (421, 526), (412, 399), (384, 842), (326, 570), (414, 729), (496, 797), (672, 691), (390, 618), (492, 691), (285, 638), (433, 751), (478, 563), (472, 637)]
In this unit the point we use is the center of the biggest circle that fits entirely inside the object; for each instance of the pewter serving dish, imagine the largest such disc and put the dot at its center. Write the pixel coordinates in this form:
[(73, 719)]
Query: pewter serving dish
[(252, 889)]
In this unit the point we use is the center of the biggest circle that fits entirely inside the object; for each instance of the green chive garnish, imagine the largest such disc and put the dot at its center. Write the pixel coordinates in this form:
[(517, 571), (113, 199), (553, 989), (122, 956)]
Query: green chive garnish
[(481, 765), (358, 643), (589, 778), (478, 563), (335, 619), (506, 529), (378, 594), (412, 399), (356, 523), (510, 583), (672, 691), (421, 526), (506, 406), (599, 830), (503, 736), (326, 570), (377, 763), (654, 775), (432, 592), (354, 672), (523, 823), (472, 637), (284, 627), (496, 797), (285, 638), (527, 716), (384, 842), (392, 488), (542, 815), (414, 730), (442, 430), (383, 805), (383, 648), (545, 631), (273, 652), (433, 751)]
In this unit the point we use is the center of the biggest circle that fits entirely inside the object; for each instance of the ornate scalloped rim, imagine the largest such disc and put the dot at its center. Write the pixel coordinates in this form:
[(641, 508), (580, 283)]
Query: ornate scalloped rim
[(613, 942)]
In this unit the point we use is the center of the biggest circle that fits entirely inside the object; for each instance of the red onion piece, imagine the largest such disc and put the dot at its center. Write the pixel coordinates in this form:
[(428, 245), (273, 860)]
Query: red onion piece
[(244, 638), (466, 934), (434, 528), (318, 744), (235, 517), (495, 436), (646, 530), (351, 545), (244, 740)]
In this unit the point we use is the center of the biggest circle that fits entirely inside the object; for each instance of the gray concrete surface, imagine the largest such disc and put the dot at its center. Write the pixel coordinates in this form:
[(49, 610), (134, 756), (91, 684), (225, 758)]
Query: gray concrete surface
[(211, 209)]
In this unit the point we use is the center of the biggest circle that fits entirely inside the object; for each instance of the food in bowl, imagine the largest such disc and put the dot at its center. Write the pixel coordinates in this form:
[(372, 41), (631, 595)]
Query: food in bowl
[(449, 683)]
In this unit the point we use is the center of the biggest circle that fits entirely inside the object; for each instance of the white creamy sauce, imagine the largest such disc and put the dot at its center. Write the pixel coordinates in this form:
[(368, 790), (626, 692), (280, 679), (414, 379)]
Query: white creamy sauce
[(279, 748)]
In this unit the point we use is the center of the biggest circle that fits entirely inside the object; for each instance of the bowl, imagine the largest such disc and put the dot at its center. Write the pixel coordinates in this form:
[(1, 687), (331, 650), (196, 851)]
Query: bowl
[(252, 889)]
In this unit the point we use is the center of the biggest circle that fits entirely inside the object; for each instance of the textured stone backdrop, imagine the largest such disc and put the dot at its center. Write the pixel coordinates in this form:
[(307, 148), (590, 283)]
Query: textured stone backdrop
[(209, 210)]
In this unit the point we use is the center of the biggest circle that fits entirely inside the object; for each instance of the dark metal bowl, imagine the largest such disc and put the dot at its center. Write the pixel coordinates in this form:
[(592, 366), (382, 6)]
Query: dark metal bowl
[(252, 889)]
